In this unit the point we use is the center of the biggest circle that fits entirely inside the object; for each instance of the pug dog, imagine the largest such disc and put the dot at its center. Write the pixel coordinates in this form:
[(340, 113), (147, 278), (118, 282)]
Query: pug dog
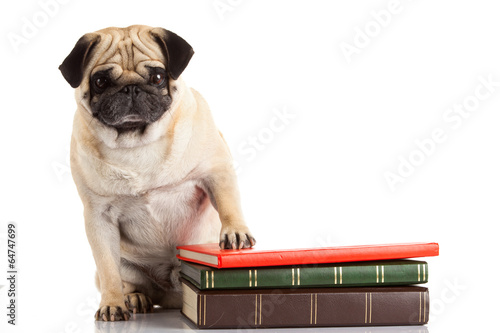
[(151, 168)]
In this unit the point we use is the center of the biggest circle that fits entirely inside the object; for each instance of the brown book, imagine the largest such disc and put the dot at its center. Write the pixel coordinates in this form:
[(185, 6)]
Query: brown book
[(310, 307)]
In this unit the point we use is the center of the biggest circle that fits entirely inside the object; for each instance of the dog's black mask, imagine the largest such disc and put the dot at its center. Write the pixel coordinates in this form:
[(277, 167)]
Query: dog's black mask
[(133, 105)]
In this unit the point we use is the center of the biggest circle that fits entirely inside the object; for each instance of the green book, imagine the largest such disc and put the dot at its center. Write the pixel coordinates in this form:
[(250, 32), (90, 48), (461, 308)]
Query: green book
[(368, 273)]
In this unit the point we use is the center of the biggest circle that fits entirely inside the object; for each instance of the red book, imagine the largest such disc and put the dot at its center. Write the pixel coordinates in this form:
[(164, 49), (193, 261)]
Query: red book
[(212, 255)]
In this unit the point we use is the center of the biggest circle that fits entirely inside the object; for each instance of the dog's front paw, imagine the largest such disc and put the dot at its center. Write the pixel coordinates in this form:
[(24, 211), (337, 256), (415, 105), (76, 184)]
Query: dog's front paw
[(236, 237), (139, 303), (112, 313)]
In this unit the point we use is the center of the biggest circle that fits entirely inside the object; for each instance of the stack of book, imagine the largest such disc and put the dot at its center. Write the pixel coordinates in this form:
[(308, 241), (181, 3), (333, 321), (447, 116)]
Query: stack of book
[(367, 285)]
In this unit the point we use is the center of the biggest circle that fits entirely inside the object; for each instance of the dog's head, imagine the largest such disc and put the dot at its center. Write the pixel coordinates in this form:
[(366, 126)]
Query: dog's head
[(126, 76)]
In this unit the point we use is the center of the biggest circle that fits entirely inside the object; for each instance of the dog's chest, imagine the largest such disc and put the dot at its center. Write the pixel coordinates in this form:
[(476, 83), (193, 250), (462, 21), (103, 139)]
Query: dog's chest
[(154, 223)]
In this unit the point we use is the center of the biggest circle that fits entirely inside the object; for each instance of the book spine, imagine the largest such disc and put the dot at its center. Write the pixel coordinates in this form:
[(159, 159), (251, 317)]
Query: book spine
[(336, 276), (324, 256), (355, 308)]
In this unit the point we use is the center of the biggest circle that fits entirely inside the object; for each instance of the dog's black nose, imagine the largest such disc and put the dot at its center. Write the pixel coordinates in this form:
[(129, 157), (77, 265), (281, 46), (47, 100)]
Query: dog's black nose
[(131, 90)]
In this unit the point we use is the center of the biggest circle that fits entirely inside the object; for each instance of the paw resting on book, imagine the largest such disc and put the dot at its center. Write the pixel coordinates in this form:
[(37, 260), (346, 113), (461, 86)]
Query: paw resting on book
[(236, 237)]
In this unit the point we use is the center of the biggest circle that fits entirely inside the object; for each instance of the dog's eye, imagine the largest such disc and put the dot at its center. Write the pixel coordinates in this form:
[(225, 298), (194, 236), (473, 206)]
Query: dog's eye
[(157, 79), (101, 82)]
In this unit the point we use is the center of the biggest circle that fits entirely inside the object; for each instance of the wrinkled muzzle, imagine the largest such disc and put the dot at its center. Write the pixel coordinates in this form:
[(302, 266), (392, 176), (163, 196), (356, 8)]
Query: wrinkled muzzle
[(133, 106)]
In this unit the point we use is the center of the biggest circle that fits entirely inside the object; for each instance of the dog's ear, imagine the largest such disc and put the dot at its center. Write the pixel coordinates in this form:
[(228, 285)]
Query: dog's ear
[(73, 66), (176, 50)]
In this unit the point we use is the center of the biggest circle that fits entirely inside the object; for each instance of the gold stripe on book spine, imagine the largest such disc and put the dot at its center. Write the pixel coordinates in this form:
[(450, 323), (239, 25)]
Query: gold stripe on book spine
[(255, 277), (420, 307), (376, 267), (249, 277), (293, 277), (418, 270), (314, 309), (370, 308), (382, 274), (206, 279), (423, 266), (255, 310), (340, 275), (298, 276), (335, 274), (213, 283)]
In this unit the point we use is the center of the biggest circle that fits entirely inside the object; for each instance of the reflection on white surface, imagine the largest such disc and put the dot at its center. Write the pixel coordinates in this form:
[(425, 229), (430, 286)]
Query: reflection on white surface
[(174, 321)]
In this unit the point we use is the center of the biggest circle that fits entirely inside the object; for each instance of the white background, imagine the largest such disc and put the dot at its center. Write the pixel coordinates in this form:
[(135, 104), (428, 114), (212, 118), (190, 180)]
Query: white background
[(320, 179)]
